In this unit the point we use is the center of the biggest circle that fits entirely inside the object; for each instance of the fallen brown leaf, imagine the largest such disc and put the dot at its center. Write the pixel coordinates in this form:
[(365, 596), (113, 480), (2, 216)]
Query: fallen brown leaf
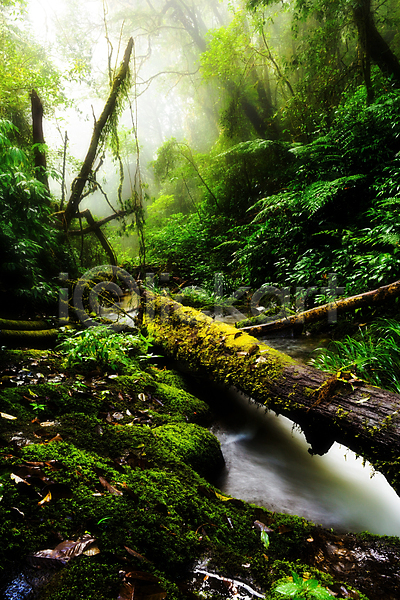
[(126, 592), (109, 487), (61, 554), (284, 529), (6, 416), (56, 438), (47, 498), (136, 554)]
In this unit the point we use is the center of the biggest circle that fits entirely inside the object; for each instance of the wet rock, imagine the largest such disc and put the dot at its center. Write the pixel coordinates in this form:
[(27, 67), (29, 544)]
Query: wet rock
[(194, 445), (370, 564)]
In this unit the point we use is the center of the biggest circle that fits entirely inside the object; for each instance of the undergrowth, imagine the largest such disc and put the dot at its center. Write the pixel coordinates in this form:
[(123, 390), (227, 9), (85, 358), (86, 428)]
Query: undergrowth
[(101, 347), (372, 355)]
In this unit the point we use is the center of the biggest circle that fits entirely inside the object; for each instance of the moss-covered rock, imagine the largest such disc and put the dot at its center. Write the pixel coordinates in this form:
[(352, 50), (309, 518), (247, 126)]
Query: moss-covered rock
[(194, 445)]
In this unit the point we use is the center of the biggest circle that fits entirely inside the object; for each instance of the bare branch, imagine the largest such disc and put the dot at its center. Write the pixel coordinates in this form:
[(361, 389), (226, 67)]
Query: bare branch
[(97, 224)]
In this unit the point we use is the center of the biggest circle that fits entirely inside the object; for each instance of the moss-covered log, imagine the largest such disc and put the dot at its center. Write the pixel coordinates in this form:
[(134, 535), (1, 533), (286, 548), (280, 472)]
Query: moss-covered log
[(327, 408), (373, 297), (15, 338), (24, 325)]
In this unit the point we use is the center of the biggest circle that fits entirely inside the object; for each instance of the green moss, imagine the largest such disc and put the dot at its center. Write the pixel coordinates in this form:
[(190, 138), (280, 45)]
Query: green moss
[(171, 377), (341, 413), (130, 483), (230, 355), (309, 391), (164, 398), (86, 578), (194, 445)]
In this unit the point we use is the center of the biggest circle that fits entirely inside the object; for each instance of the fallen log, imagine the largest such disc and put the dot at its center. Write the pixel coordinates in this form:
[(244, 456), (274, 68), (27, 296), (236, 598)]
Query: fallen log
[(17, 338), (382, 294), (327, 408), (24, 325)]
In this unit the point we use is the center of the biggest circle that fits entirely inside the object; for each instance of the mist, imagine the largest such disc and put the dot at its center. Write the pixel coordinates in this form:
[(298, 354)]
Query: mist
[(167, 98)]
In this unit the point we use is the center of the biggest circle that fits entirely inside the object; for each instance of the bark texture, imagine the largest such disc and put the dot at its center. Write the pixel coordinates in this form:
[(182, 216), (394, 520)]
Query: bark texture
[(372, 43), (16, 338), (364, 418), (10, 324)]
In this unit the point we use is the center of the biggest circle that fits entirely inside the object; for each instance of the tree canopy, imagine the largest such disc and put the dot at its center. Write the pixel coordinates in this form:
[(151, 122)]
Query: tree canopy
[(257, 125)]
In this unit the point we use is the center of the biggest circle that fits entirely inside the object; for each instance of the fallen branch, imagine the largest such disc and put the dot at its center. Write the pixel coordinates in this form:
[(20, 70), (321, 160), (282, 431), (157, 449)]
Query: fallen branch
[(382, 294), (95, 228), (24, 325), (16, 338)]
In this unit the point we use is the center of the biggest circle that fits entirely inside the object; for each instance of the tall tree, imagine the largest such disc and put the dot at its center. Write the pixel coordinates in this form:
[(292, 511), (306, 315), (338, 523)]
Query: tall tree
[(373, 45), (362, 14)]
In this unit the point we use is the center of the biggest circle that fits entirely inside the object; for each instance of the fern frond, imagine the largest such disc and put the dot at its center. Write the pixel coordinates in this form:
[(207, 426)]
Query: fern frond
[(318, 194), (273, 205)]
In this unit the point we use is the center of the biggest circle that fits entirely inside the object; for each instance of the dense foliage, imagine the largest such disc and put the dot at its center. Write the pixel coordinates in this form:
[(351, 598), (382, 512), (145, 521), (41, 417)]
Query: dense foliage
[(278, 163), (28, 242), (289, 214), (302, 178), (372, 355)]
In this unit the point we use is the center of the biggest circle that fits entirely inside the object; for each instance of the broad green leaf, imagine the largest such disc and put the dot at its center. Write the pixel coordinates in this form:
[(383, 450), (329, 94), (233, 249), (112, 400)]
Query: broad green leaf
[(265, 539)]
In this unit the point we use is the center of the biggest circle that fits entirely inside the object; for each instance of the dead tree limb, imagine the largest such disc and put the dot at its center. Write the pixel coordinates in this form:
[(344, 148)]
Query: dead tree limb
[(96, 224), (87, 166), (382, 294), (364, 418), (95, 228), (117, 215)]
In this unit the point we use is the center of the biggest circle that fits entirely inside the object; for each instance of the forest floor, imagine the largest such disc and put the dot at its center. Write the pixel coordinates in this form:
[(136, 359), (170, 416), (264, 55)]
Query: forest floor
[(105, 493)]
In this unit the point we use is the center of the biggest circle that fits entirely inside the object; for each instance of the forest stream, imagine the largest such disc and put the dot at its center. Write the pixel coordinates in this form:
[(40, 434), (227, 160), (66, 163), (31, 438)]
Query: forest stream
[(267, 463)]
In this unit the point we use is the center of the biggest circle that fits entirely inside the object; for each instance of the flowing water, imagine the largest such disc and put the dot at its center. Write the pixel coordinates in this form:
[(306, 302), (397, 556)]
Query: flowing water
[(268, 464)]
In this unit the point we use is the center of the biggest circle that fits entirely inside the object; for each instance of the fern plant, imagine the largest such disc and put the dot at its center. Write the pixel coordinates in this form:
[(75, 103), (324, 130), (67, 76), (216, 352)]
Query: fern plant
[(104, 348)]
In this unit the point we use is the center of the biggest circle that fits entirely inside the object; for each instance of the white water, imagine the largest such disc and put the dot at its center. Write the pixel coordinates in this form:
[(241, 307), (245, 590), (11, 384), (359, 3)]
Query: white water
[(268, 464)]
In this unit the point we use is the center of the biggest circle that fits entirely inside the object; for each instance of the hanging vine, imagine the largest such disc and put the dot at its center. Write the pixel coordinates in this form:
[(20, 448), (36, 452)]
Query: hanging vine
[(135, 203), (137, 184)]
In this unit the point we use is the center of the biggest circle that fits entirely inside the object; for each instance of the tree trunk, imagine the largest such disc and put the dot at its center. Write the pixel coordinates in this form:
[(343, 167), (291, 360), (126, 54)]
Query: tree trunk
[(11, 324), (38, 139), (80, 182), (387, 292), (373, 44), (364, 418)]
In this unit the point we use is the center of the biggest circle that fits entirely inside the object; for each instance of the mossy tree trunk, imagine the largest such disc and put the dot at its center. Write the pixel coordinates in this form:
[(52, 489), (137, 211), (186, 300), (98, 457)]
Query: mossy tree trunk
[(364, 418), (19, 338), (38, 139)]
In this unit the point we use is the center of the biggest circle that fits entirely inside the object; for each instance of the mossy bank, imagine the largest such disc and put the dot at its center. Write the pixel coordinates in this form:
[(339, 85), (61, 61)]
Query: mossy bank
[(118, 462)]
